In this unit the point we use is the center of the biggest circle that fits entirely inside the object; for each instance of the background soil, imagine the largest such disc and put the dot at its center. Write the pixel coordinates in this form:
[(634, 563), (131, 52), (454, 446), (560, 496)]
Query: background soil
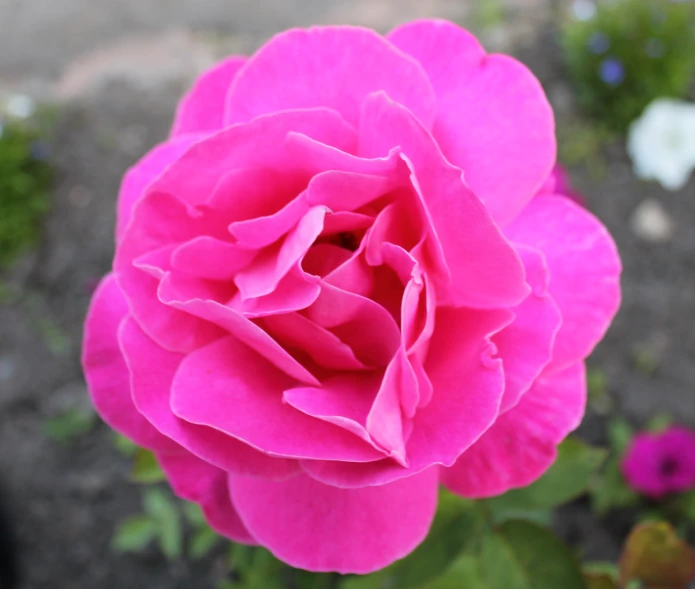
[(117, 68)]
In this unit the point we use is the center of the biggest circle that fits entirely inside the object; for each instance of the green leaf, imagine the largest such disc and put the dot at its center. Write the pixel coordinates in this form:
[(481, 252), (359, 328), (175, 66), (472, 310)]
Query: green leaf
[(567, 479), (202, 542), (620, 434), (162, 509), (134, 534), (463, 574), (610, 491), (146, 469), (124, 445), (659, 423), (70, 425), (521, 555), (457, 526), (193, 514)]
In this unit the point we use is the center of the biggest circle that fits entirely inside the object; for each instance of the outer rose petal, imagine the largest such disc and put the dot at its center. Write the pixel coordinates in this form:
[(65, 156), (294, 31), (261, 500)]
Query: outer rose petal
[(334, 67), (202, 108), (189, 476), (522, 443), (142, 174), (321, 528), (106, 372), (221, 513), (526, 345), (153, 370), (584, 271), (493, 119)]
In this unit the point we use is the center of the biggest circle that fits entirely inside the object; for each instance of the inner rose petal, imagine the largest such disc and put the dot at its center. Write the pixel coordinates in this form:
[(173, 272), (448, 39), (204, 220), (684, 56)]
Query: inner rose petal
[(272, 265)]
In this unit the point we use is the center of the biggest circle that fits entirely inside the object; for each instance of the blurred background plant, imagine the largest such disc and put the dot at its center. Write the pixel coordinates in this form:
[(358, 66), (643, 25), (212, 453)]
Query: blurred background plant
[(622, 54), (504, 542), (25, 174)]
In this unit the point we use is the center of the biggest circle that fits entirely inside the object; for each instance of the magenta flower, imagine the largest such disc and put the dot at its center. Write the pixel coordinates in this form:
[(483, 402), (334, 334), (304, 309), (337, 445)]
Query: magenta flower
[(657, 464), (333, 290)]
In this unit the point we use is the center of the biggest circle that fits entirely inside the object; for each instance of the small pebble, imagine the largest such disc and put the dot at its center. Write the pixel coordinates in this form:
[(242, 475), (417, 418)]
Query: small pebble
[(651, 222)]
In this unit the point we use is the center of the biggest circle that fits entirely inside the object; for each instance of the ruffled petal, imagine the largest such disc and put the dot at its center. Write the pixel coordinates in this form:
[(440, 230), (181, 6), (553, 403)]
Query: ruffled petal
[(201, 110), (232, 375), (468, 383), (526, 345), (584, 270), (106, 372), (152, 373), (485, 270), (321, 528), (142, 174), (493, 118), (522, 443), (335, 67)]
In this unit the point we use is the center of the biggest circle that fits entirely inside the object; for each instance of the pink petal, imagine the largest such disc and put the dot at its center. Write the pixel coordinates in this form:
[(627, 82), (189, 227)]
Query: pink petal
[(295, 332), (350, 317), (246, 331), (142, 174), (261, 231), (190, 477), (347, 191), (485, 270), (493, 119), (152, 372), (522, 444), (342, 400), (526, 345), (106, 372), (468, 385), (258, 144), (249, 193), (233, 376), (160, 220), (314, 157), (385, 422), (272, 265), (208, 257), (198, 481), (321, 528), (295, 291), (202, 108), (335, 67), (584, 271), (222, 515)]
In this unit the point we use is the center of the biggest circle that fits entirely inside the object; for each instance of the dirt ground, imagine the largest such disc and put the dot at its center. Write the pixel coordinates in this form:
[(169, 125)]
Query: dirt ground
[(118, 66)]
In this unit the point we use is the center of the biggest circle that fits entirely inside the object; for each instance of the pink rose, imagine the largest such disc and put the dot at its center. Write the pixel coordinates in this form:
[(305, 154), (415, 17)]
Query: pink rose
[(560, 183), (333, 289), (657, 464)]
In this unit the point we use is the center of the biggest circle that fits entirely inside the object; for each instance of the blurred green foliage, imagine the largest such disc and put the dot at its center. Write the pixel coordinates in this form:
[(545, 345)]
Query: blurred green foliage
[(25, 180), (628, 54)]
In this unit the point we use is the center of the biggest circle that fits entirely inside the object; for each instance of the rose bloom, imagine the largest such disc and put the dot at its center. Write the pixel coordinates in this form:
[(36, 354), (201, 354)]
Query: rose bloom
[(333, 290), (657, 464)]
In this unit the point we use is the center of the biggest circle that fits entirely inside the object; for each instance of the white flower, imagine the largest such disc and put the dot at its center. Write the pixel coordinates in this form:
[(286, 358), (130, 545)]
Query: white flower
[(662, 143), (20, 106)]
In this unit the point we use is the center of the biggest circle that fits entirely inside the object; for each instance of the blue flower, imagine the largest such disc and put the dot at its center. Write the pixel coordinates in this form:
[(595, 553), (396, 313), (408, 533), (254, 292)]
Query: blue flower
[(611, 71)]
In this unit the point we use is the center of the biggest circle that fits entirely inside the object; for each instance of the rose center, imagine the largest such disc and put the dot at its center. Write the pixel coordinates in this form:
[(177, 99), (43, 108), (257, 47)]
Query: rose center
[(345, 239)]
